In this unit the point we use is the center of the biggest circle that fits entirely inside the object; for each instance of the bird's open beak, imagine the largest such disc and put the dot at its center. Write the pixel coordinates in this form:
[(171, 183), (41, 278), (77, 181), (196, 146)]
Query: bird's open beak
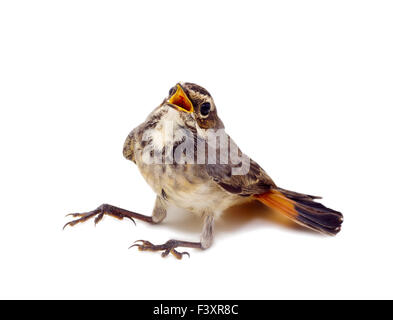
[(181, 101)]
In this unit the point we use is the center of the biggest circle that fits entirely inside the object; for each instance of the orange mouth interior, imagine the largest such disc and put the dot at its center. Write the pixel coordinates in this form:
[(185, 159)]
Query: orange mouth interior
[(181, 101)]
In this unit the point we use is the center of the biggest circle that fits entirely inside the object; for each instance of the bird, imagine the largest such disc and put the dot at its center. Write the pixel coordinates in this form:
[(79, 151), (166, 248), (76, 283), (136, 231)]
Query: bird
[(176, 151)]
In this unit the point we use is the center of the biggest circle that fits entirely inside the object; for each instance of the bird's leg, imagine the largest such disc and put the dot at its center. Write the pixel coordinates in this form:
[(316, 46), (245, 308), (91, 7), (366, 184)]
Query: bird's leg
[(160, 209), (159, 213), (171, 245), (207, 235)]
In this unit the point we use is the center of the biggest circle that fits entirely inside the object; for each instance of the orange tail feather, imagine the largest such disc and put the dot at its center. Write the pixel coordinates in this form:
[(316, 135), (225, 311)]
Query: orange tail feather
[(303, 210)]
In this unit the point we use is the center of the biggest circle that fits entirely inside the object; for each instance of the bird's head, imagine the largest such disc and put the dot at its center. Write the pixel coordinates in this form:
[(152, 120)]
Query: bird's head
[(196, 102)]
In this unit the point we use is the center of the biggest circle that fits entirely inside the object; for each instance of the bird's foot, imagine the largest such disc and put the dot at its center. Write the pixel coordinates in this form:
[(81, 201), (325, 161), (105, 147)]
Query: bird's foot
[(104, 209), (166, 248)]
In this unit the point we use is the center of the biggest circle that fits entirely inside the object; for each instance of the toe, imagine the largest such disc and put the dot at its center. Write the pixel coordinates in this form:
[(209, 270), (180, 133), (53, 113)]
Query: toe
[(165, 253), (179, 255)]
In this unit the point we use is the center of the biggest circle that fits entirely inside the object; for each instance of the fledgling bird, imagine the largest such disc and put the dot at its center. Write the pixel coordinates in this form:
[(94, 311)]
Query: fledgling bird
[(174, 152)]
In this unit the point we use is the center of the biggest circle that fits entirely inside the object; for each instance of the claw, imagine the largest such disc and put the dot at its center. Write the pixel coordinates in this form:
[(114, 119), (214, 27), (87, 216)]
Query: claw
[(186, 253), (71, 223), (148, 243), (132, 220), (74, 215), (66, 224), (136, 245), (98, 218), (145, 242), (145, 245), (179, 255)]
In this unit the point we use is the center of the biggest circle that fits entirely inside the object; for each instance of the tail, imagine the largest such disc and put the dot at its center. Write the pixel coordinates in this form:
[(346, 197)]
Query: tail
[(303, 209)]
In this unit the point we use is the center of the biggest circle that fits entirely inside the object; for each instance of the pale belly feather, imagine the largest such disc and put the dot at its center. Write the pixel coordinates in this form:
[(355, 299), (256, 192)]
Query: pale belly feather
[(188, 190)]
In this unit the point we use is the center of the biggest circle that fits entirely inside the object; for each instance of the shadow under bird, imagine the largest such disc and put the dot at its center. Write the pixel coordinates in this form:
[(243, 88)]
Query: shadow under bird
[(173, 149)]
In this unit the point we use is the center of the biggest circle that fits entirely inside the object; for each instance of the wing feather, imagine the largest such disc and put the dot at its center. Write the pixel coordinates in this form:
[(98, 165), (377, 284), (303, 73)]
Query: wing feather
[(255, 181)]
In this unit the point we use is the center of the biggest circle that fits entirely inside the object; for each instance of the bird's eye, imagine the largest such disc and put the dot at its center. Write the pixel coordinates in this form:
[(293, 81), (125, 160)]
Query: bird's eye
[(172, 91), (205, 108)]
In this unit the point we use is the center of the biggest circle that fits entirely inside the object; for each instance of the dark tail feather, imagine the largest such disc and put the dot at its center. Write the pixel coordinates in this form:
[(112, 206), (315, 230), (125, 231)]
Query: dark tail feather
[(304, 210)]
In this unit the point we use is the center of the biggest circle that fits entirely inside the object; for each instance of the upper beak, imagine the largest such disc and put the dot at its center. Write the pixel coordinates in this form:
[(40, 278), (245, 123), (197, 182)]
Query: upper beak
[(181, 101)]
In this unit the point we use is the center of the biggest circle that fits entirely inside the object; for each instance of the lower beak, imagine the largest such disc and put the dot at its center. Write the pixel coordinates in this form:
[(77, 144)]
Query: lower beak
[(180, 100)]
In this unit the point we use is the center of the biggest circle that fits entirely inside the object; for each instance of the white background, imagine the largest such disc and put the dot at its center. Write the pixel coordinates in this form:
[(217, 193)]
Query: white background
[(304, 87)]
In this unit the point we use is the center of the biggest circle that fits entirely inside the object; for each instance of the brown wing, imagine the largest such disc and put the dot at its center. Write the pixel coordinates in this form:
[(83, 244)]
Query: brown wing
[(129, 147), (255, 181)]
